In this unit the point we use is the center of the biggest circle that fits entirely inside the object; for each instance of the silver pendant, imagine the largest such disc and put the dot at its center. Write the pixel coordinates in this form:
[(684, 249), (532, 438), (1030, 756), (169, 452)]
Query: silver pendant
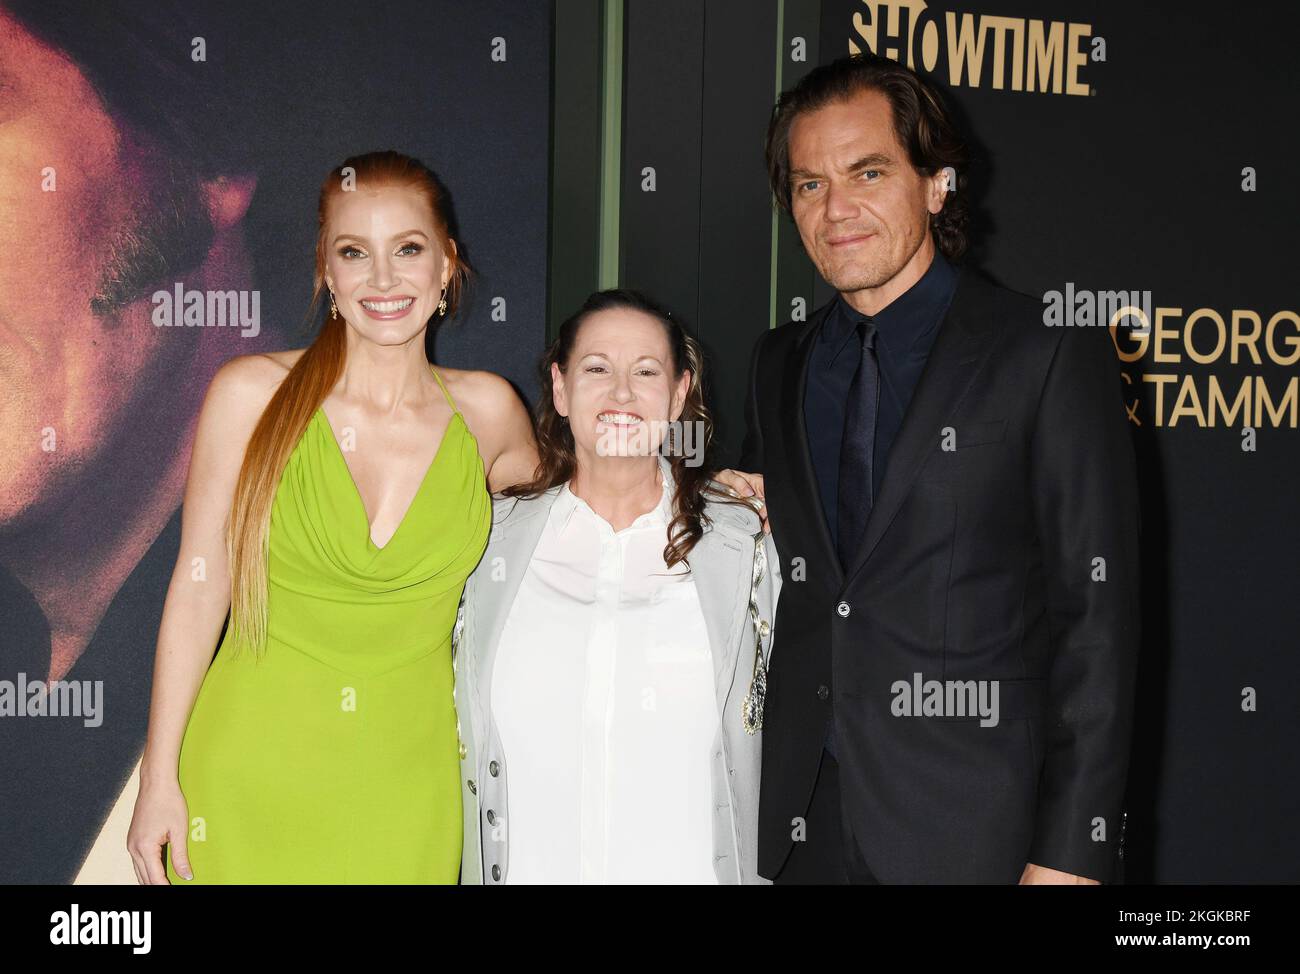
[(751, 713), (751, 710)]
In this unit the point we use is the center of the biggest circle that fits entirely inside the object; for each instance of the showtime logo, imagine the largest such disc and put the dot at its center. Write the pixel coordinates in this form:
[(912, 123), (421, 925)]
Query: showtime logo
[(979, 50)]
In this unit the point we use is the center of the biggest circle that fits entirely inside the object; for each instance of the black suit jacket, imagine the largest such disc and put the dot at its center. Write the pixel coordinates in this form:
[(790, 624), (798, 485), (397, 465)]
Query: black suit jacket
[(1012, 557)]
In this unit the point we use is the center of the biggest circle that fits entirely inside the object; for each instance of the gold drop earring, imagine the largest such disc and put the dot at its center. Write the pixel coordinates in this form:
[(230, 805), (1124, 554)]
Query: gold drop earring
[(442, 305), (334, 308)]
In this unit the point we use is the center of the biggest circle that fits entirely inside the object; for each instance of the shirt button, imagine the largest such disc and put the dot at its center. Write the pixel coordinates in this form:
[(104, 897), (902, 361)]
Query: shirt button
[(464, 752), (472, 790), (823, 692), (843, 609), (496, 873), (491, 817), (493, 768), (763, 628)]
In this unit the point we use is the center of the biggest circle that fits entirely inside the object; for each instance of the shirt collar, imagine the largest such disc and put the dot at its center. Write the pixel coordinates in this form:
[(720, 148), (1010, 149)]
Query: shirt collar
[(906, 321), (567, 503)]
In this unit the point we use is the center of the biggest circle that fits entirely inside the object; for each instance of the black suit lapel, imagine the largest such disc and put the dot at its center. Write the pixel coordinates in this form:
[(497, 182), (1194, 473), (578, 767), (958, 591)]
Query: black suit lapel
[(803, 477), (958, 353)]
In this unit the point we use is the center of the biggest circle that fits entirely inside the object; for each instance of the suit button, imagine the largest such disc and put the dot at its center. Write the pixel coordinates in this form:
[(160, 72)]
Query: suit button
[(493, 768), (472, 789), (843, 609), (496, 873), (823, 692)]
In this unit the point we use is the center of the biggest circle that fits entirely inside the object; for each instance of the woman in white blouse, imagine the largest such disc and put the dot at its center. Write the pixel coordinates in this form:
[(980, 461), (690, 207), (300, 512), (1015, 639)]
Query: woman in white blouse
[(613, 640)]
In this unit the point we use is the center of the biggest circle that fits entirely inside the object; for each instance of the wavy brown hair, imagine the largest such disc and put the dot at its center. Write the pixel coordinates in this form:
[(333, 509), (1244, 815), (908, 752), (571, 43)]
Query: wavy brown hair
[(316, 372), (922, 123), (558, 461)]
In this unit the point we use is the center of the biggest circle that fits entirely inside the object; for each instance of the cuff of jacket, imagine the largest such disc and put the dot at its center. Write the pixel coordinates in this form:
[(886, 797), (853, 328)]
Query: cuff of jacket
[(1069, 846)]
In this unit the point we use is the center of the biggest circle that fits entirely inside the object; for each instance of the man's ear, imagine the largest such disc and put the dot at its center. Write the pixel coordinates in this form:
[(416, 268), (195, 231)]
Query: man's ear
[(941, 183), (228, 198)]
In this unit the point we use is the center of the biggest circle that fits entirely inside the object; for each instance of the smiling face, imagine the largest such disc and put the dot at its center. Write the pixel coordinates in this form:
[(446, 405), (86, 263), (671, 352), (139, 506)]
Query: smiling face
[(862, 210), (384, 262), (619, 391)]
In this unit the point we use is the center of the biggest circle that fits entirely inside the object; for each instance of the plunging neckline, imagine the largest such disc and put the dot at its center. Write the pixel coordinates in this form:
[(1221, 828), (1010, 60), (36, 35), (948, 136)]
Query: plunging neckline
[(356, 491)]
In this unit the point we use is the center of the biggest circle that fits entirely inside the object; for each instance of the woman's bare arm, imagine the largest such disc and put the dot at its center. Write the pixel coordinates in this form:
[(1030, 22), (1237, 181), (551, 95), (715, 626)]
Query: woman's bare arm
[(500, 422), (198, 596)]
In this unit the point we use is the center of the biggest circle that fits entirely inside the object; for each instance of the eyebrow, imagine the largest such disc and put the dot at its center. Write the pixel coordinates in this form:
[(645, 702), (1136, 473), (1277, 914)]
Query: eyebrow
[(639, 358), (404, 233), (873, 159)]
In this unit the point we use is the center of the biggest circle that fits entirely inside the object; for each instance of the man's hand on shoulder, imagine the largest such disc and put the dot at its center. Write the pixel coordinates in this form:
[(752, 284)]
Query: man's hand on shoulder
[(747, 485)]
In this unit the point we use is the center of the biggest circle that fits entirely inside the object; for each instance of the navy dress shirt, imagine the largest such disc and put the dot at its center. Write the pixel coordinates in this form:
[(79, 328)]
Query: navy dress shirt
[(905, 330)]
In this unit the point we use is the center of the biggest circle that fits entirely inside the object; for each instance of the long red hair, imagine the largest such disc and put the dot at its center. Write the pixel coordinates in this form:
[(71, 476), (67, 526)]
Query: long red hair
[(302, 391)]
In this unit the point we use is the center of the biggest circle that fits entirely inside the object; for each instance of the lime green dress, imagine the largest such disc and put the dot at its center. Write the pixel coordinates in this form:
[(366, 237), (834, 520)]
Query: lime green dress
[(334, 757)]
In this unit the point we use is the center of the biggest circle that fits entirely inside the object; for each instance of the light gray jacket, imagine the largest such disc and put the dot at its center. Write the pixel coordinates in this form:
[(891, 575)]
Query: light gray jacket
[(723, 564)]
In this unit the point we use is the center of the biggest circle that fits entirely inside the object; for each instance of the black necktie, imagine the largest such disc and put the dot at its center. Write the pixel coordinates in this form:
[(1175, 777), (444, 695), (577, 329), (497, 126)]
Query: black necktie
[(855, 494)]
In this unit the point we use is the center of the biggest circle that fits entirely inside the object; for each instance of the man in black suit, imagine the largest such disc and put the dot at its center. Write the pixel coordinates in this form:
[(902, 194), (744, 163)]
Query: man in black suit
[(952, 490)]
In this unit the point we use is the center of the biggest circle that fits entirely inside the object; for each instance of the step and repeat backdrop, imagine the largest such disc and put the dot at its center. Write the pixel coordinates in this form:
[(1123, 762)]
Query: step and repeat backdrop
[(150, 152)]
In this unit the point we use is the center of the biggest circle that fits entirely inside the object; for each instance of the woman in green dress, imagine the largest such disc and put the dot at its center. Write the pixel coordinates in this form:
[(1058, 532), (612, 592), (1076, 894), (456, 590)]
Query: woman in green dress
[(337, 500)]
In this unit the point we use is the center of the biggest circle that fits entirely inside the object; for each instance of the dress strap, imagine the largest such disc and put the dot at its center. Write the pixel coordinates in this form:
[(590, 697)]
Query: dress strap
[(450, 401)]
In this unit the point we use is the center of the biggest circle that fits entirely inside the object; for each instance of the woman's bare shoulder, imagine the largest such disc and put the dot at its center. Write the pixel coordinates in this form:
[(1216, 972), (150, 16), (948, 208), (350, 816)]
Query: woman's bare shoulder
[(285, 359), (479, 392), (246, 383)]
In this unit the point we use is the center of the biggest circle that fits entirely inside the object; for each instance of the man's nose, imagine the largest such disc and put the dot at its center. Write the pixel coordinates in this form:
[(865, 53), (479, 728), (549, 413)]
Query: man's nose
[(840, 204)]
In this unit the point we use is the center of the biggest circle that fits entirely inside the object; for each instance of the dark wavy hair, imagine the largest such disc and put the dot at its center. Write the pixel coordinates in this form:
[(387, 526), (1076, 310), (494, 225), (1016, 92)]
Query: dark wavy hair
[(555, 448), (921, 121)]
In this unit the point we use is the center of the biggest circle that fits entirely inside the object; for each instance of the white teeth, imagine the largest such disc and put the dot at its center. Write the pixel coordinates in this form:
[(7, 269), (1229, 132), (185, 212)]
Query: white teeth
[(618, 419), (385, 307)]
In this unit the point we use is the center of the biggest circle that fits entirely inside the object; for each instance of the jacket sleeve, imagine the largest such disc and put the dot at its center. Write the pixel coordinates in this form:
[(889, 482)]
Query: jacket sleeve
[(751, 451), (1084, 490)]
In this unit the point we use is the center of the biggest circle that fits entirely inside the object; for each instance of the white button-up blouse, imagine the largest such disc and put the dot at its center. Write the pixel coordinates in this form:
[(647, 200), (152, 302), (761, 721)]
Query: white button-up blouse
[(603, 696)]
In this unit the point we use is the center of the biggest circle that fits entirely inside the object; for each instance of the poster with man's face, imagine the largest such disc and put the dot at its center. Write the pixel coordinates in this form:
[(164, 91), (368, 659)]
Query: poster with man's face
[(159, 172)]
